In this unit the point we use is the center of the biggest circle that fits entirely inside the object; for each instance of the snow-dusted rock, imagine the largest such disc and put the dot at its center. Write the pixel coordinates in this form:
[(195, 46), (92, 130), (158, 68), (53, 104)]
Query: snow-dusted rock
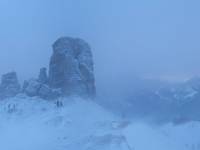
[(71, 67), (31, 87), (10, 86), (43, 77), (35, 88), (46, 92)]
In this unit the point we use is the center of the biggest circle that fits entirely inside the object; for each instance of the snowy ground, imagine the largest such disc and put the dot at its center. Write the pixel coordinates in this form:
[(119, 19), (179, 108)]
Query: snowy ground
[(35, 124)]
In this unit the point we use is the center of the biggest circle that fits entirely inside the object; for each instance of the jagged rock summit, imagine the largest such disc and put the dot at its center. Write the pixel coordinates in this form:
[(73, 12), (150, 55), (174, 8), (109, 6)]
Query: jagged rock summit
[(9, 86), (71, 67), (71, 73), (43, 77)]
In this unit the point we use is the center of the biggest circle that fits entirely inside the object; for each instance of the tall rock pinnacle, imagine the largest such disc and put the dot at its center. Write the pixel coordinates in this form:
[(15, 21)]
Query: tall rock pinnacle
[(71, 67)]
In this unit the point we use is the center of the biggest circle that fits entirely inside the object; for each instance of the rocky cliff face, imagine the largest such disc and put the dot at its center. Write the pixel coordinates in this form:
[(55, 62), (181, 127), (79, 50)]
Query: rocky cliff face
[(71, 67), (33, 88), (43, 77), (9, 86), (71, 73)]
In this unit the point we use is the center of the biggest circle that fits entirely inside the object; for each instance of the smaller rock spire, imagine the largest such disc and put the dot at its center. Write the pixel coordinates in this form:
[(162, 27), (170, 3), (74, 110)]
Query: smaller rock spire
[(9, 86), (43, 78)]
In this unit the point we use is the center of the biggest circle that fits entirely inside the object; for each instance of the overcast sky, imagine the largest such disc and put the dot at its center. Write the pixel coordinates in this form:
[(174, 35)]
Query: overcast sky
[(128, 37)]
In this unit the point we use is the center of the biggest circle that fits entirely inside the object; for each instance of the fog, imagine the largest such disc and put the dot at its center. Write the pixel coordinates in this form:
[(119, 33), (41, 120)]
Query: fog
[(129, 38), (132, 41)]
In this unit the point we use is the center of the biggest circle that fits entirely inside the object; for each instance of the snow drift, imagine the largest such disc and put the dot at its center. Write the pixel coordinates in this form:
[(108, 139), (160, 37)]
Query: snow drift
[(35, 124)]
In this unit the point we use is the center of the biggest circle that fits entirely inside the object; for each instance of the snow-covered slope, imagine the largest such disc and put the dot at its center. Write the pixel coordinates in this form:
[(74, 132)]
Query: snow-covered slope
[(36, 124), (167, 137)]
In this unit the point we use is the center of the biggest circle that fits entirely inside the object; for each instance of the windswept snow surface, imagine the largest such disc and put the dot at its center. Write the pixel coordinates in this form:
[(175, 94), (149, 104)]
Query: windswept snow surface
[(36, 124)]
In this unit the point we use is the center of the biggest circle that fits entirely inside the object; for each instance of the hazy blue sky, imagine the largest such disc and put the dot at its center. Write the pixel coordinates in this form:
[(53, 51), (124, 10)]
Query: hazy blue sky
[(133, 37)]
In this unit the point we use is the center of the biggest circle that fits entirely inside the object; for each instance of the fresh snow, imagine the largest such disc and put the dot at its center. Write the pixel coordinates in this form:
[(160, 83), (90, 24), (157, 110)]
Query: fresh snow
[(35, 124)]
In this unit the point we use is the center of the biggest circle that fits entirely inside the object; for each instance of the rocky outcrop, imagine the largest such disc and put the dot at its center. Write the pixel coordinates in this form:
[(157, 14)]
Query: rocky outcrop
[(9, 85), (43, 78), (35, 88), (71, 73), (71, 67), (31, 87), (39, 87)]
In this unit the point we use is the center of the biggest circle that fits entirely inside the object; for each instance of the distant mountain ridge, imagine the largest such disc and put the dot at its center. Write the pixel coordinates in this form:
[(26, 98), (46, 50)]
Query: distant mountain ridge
[(164, 102)]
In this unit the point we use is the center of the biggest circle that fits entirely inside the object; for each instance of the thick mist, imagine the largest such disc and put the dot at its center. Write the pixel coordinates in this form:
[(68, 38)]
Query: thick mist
[(145, 55), (152, 39)]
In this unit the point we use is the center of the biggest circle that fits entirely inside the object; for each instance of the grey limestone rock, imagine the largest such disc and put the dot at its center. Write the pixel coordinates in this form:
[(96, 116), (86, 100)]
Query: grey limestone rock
[(43, 77), (9, 86), (71, 67), (35, 88), (31, 87)]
